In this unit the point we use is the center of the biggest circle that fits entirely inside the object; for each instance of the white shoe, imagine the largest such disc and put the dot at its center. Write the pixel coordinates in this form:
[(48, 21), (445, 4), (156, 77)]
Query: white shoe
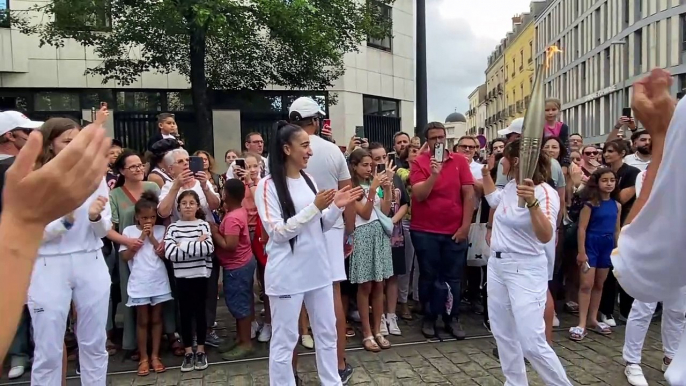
[(265, 333), (16, 372), (383, 327), (556, 321), (634, 375), (392, 321), (254, 329), (355, 316), (609, 320), (307, 342)]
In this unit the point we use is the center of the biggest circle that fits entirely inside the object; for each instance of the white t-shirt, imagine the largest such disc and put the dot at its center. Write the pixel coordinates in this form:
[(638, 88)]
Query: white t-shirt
[(148, 274), (265, 165), (633, 160), (512, 229), (327, 166), (305, 267), (639, 182), (475, 168), (198, 189), (359, 221)]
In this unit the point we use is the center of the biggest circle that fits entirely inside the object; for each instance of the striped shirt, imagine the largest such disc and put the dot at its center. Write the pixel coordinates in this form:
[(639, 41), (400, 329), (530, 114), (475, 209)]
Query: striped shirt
[(190, 257)]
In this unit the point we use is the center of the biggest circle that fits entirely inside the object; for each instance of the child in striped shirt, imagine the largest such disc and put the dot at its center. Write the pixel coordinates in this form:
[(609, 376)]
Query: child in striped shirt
[(188, 245)]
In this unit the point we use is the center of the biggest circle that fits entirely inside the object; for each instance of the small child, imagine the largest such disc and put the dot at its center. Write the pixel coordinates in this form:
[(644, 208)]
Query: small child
[(188, 245), (597, 237), (555, 128), (148, 285), (234, 253)]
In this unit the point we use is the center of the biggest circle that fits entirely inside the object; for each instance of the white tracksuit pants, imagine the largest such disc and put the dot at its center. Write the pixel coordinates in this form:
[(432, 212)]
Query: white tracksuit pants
[(673, 323), (56, 281), (517, 294), (285, 316)]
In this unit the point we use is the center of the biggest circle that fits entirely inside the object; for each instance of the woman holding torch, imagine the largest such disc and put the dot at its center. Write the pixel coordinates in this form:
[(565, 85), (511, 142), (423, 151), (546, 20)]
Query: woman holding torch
[(518, 268)]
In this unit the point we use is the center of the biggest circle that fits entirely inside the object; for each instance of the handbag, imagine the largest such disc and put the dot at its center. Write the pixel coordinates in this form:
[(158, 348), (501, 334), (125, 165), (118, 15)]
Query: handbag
[(385, 221), (479, 251)]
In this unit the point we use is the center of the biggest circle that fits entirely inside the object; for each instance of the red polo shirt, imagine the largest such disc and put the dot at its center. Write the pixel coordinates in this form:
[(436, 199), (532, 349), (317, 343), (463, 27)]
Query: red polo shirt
[(441, 212)]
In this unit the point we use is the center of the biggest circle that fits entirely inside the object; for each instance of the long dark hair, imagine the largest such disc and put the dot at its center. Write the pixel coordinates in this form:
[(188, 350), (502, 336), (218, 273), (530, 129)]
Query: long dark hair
[(200, 213), (119, 165), (591, 191), (353, 160), (51, 130), (282, 135), (560, 144), (542, 172)]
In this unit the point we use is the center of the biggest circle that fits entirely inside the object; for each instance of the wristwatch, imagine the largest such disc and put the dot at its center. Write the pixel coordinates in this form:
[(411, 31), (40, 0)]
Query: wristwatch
[(534, 204), (489, 226)]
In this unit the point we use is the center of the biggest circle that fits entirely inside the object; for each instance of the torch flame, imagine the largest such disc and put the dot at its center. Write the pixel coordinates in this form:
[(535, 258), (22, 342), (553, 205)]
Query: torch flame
[(549, 53)]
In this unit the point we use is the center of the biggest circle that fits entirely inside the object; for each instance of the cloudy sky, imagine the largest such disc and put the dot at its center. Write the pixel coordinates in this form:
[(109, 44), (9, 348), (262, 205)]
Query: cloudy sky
[(460, 36)]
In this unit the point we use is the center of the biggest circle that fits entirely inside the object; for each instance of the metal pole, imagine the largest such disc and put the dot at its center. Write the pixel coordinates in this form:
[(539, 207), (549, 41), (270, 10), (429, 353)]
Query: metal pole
[(421, 102)]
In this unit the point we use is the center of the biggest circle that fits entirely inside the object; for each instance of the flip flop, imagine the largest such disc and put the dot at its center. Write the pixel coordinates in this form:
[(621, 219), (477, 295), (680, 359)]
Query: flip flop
[(382, 341), (370, 344), (602, 329), (577, 334)]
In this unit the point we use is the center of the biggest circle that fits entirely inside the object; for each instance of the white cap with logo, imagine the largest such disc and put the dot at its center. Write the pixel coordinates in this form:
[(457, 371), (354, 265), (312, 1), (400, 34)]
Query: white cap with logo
[(12, 120), (514, 128), (304, 107)]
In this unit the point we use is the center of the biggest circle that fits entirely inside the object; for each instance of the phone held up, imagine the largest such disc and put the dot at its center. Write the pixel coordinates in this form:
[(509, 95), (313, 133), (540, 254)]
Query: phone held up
[(195, 164), (626, 112), (439, 150), (240, 162), (380, 168), (391, 157), (359, 132)]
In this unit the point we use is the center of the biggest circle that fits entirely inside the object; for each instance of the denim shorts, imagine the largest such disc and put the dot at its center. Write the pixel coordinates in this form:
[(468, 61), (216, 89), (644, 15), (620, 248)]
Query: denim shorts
[(238, 289), (152, 300)]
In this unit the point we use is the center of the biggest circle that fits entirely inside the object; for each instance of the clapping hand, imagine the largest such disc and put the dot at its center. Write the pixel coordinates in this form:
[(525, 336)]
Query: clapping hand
[(345, 196), (652, 102), (526, 191), (324, 198), (96, 208)]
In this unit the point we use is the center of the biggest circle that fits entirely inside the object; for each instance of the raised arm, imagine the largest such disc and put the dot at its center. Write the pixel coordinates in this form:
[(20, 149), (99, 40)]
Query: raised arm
[(269, 209), (103, 224)]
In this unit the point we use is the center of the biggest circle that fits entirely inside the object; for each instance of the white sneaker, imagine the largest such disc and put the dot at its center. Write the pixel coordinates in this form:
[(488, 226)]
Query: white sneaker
[(556, 321), (265, 333), (254, 329), (307, 342), (16, 372), (392, 321), (355, 316), (383, 327), (634, 375), (609, 320)]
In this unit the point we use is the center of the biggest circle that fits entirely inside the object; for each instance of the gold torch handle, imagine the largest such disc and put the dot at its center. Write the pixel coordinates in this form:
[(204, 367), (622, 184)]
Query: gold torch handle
[(522, 203)]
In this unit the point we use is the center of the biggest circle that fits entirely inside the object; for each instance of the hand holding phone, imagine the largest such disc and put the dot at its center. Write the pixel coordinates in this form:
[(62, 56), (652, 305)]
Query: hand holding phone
[(326, 128), (380, 168), (439, 150), (195, 164), (391, 158), (626, 112)]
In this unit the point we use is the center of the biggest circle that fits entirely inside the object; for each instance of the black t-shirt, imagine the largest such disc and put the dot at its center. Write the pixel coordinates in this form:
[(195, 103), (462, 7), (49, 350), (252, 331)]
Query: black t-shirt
[(626, 176), (4, 165)]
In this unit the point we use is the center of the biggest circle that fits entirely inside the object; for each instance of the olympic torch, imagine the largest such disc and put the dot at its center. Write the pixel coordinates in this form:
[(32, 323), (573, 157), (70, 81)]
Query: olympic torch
[(534, 124)]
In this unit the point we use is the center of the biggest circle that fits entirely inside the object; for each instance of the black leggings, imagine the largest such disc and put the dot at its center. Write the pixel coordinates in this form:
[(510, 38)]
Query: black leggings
[(609, 298), (192, 297)]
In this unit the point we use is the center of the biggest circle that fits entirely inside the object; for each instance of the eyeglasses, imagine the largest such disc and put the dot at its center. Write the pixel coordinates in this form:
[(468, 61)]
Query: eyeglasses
[(589, 153), (133, 168), (466, 147), (258, 142)]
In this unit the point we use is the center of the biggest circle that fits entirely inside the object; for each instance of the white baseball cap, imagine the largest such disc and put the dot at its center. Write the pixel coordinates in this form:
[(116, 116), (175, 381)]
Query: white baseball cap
[(514, 128), (304, 107), (12, 120)]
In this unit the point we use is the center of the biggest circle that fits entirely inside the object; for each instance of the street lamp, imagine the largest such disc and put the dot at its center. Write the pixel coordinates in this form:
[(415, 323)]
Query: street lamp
[(624, 72)]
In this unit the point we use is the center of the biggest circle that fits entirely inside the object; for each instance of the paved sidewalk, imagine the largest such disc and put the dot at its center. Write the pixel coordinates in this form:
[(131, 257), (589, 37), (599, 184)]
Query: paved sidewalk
[(595, 361)]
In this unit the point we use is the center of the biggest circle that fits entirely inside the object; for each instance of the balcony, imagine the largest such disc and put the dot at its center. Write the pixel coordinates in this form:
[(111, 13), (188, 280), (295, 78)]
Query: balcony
[(521, 68), (530, 60), (511, 110), (526, 100), (520, 106), (500, 89)]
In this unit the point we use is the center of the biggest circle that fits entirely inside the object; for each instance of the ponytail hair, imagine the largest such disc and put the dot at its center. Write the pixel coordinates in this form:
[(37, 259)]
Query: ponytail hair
[(200, 213), (119, 165)]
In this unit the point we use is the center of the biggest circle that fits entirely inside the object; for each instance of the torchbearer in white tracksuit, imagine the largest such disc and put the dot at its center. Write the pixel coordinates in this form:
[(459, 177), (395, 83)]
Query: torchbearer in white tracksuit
[(518, 271), (649, 261), (298, 270), (70, 267)]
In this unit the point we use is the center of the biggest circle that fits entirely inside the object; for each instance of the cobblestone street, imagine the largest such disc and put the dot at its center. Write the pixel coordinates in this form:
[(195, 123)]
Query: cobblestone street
[(595, 361)]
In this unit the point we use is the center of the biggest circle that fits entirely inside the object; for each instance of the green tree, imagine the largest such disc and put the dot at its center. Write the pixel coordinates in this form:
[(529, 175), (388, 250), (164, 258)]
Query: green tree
[(216, 44)]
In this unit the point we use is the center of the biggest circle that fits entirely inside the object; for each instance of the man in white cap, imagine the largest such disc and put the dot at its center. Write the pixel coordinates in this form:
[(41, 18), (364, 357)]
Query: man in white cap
[(330, 171), (14, 131)]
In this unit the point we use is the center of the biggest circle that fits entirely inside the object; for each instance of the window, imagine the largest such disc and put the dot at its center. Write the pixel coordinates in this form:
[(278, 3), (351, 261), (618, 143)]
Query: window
[(625, 11), (638, 51), (682, 19), (386, 14), (514, 65), (4, 13), (521, 60), (531, 51), (372, 105), (139, 101), (98, 17), (183, 101), (56, 101)]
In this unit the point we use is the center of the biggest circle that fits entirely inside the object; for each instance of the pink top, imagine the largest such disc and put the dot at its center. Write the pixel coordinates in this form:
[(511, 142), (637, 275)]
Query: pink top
[(235, 223), (249, 205), (552, 130)]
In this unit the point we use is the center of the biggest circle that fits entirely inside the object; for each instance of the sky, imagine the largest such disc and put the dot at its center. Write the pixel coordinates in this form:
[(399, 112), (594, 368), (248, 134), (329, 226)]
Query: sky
[(460, 35)]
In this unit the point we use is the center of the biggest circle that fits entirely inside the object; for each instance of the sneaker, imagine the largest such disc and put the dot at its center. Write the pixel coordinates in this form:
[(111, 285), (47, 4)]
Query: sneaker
[(307, 341), (609, 320), (487, 325), (214, 325), (16, 372), (188, 363), (454, 328), (429, 328), (78, 367), (212, 339), (265, 333), (200, 361), (355, 316), (392, 322), (346, 373), (238, 352), (634, 375), (383, 327), (556, 321), (254, 329), (665, 363)]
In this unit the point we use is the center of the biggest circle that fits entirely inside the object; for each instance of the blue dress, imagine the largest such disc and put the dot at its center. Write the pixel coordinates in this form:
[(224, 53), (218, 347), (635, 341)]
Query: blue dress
[(600, 233)]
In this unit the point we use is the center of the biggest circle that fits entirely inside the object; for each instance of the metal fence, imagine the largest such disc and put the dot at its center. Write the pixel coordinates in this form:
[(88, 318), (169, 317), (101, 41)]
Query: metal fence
[(381, 129)]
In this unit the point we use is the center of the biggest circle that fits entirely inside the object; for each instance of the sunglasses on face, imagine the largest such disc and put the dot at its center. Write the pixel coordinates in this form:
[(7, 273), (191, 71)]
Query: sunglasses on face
[(466, 147), (590, 153)]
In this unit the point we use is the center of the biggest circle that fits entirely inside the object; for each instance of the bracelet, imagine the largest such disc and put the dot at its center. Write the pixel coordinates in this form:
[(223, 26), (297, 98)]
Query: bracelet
[(489, 226), (533, 205), (97, 219)]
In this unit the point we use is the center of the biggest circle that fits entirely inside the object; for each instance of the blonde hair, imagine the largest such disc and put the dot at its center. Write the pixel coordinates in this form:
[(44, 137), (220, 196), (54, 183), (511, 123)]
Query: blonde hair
[(554, 101)]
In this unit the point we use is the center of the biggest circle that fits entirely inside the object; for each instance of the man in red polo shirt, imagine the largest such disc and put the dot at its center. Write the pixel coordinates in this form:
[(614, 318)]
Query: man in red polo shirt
[(442, 209)]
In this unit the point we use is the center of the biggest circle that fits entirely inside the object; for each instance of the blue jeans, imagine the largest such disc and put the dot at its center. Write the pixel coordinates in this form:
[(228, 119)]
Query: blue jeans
[(20, 349), (440, 259)]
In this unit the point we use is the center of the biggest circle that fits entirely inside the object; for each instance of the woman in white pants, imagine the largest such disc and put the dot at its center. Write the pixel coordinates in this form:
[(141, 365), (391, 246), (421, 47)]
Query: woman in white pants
[(518, 270), (295, 217), (70, 267)]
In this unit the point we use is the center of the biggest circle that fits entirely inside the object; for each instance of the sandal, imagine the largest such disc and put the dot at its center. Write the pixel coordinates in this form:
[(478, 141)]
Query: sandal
[(405, 312), (577, 334), (370, 344), (177, 348), (157, 365), (572, 307), (382, 341), (110, 347), (143, 368), (349, 331), (602, 329)]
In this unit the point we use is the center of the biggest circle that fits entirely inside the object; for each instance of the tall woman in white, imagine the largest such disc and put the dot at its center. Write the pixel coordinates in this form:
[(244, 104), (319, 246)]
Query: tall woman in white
[(70, 267), (518, 270), (295, 217)]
